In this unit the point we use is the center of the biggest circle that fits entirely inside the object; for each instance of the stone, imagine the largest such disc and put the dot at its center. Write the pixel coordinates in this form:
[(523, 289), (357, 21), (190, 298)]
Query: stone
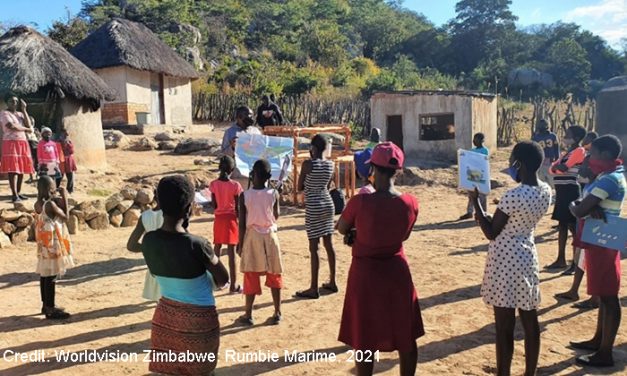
[(72, 224), (124, 206), (167, 145), (143, 144), (99, 222), (194, 56), (78, 214), (116, 218), (91, 205), (8, 228), (5, 241), (113, 201), (202, 162), (71, 202), (128, 193), (165, 136), (20, 236), (24, 221), (145, 196), (115, 139), (131, 217), (25, 206), (31, 233), (191, 145), (10, 215)]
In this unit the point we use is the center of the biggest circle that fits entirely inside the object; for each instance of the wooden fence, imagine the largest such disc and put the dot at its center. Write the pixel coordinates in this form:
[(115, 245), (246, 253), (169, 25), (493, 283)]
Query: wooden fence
[(303, 109)]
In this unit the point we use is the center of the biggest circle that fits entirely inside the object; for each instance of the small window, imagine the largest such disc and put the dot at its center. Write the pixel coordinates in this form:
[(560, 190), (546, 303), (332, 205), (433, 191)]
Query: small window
[(435, 127)]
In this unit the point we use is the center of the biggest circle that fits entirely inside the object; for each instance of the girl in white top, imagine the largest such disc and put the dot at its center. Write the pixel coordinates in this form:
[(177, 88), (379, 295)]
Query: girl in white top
[(259, 246), (150, 220)]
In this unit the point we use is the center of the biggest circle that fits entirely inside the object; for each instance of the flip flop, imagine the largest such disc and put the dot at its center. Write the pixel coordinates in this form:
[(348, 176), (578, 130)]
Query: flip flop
[(583, 346), (565, 296), (586, 360), (307, 295), (555, 267), (238, 290), (275, 320), (329, 287), (586, 305), (248, 321)]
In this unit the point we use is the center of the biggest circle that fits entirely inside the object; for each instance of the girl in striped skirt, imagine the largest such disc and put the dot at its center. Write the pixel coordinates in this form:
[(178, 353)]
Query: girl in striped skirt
[(315, 178)]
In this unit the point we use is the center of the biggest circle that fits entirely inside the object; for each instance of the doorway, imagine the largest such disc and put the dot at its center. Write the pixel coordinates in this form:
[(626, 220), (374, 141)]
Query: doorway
[(395, 130), (157, 111)]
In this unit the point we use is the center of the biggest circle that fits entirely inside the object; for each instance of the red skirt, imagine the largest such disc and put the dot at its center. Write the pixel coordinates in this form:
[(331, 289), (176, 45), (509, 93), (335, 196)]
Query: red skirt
[(225, 229), (178, 328), (69, 165), (602, 270), (381, 309), (16, 157)]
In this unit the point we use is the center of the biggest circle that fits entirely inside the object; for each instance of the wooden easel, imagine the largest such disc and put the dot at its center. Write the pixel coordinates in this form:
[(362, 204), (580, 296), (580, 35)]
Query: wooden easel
[(338, 157)]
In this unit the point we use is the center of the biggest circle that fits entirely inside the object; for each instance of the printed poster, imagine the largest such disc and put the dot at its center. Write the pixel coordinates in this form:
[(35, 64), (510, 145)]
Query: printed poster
[(277, 150), (474, 171), (612, 234)]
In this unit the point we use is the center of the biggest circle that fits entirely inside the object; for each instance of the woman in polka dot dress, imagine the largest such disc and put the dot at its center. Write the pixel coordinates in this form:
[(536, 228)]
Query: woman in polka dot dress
[(511, 279)]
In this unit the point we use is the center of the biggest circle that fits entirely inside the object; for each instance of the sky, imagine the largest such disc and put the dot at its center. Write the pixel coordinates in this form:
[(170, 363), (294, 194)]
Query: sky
[(607, 18)]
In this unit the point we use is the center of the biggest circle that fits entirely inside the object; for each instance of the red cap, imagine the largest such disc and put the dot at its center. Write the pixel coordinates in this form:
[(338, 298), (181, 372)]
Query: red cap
[(387, 155)]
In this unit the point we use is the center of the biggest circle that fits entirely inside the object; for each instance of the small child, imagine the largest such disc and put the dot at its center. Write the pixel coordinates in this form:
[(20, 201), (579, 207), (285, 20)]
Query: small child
[(68, 165), (224, 198), (587, 141), (259, 246), (477, 141), (368, 187), (54, 250), (49, 156)]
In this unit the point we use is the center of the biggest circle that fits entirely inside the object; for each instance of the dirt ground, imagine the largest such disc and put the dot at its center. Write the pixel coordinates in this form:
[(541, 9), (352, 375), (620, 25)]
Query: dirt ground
[(103, 293)]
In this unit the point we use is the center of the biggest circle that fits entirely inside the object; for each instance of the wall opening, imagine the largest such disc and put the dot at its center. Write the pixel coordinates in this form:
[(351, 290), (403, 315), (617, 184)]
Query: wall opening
[(436, 127), (395, 130)]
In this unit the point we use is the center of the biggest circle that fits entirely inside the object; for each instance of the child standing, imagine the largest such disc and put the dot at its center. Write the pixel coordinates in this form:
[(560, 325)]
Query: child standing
[(68, 165), (565, 171), (49, 156), (259, 246), (224, 198), (477, 141), (54, 250)]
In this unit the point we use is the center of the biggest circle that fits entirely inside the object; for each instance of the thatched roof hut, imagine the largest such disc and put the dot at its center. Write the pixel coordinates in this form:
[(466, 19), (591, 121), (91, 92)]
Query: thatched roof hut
[(612, 110), (61, 91), (148, 75)]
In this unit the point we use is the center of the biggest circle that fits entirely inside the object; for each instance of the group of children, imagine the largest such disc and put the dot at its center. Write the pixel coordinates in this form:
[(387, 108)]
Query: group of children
[(54, 157)]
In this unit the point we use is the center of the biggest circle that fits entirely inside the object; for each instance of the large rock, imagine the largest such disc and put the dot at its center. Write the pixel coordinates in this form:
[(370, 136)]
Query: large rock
[(124, 206), (145, 196), (190, 145), (99, 222), (24, 221), (8, 228), (131, 217), (5, 241), (78, 214), (115, 139), (10, 215), (128, 193), (27, 206), (72, 224), (113, 201), (143, 144), (20, 236), (116, 218), (167, 145), (165, 136)]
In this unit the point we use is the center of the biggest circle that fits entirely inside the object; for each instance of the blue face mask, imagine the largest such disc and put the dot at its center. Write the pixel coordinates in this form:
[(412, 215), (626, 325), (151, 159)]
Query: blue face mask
[(513, 171)]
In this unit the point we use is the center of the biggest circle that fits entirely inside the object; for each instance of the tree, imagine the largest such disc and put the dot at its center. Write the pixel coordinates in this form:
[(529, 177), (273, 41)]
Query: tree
[(69, 34), (477, 30), (569, 66)]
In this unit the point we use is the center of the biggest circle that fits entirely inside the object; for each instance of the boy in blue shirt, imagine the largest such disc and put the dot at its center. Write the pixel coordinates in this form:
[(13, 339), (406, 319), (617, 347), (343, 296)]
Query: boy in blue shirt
[(477, 141)]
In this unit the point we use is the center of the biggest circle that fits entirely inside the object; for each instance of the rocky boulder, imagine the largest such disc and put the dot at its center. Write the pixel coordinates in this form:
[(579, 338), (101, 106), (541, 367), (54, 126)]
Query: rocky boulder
[(124, 206), (116, 218), (20, 236), (115, 139), (24, 221), (72, 224), (5, 241), (10, 215), (190, 145), (99, 222), (131, 217), (145, 196), (167, 145), (113, 201), (128, 193), (8, 228), (165, 136), (143, 144)]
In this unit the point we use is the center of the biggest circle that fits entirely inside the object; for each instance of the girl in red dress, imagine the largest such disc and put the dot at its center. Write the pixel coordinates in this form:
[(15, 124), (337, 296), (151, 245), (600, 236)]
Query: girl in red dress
[(224, 197), (68, 164), (375, 319)]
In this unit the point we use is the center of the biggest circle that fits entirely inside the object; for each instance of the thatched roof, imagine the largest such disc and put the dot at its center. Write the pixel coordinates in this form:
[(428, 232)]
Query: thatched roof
[(123, 42), (30, 61)]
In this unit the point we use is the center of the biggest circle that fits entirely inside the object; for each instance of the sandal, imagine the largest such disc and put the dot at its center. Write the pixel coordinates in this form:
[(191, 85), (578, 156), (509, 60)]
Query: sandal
[(275, 319), (565, 296), (57, 314), (330, 287), (236, 290), (245, 320), (555, 266), (307, 294), (586, 305), (590, 361), (585, 345)]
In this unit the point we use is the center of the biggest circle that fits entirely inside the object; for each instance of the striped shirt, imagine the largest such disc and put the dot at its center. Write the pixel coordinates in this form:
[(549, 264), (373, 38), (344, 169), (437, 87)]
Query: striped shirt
[(573, 160), (319, 208), (610, 188)]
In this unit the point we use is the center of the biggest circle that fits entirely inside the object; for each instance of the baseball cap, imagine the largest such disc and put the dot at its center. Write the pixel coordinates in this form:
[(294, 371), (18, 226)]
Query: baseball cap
[(387, 155)]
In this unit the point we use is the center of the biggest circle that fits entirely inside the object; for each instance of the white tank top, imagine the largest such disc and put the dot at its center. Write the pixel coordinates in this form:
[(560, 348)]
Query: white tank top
[(260, 210)]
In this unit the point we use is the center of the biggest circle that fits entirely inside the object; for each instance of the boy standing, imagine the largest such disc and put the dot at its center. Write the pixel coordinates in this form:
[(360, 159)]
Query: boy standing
[(549, 143)]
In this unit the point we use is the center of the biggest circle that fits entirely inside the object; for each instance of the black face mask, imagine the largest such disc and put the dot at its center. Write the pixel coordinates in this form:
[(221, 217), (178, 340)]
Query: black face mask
[(248, 122)]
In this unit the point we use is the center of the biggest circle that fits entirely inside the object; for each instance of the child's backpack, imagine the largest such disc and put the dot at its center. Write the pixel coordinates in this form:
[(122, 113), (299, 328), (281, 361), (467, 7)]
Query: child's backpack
[(337, 195)]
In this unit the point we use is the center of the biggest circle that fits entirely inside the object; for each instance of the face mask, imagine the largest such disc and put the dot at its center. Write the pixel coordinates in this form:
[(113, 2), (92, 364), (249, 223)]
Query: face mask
[(569, 142), (248, 122), (514, 171), (598, 166), (46, 137)]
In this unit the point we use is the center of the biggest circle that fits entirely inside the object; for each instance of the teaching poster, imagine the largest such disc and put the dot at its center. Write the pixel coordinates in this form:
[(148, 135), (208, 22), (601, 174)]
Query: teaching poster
[(474, 171), (277, 150), (611, 234)]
